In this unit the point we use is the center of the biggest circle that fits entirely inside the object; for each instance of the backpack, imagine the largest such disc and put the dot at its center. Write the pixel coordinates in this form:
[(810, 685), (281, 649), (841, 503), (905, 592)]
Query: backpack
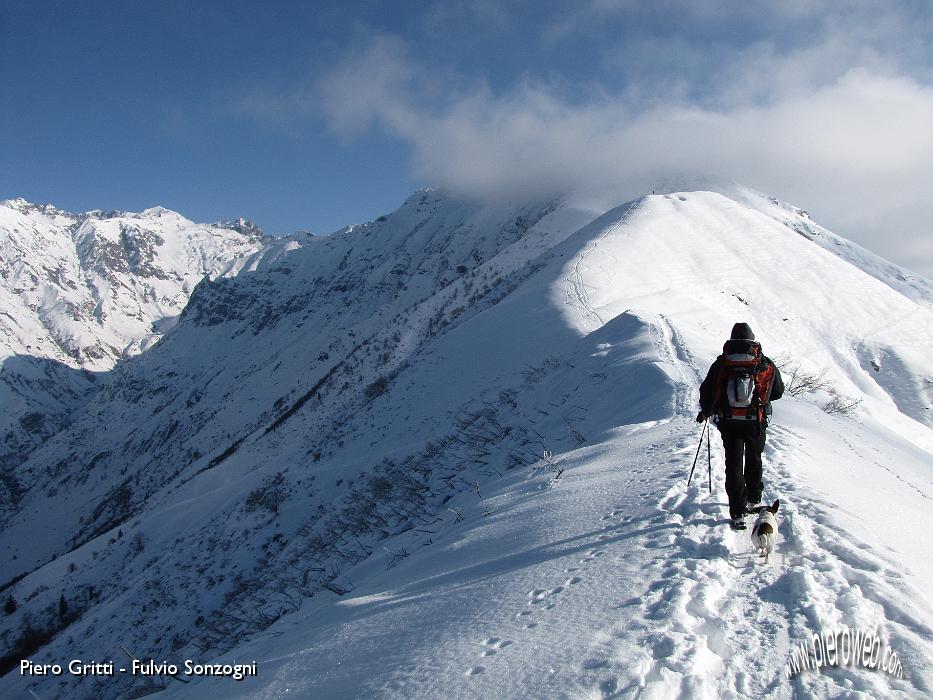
[(744, 382)]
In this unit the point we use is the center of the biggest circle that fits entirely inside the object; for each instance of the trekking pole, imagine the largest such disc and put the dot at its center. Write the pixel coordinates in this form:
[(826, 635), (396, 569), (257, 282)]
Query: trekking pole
[(709, 464), (702, 432)]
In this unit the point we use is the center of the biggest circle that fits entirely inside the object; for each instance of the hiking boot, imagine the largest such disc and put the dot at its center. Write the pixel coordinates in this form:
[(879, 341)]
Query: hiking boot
[(737, 523)]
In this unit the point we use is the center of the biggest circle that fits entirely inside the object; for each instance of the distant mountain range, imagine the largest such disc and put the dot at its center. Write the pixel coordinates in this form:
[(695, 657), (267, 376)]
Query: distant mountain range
[(79, 292)]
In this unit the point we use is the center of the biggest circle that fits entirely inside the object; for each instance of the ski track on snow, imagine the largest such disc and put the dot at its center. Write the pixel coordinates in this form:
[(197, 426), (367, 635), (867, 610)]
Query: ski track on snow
[(576, 288)]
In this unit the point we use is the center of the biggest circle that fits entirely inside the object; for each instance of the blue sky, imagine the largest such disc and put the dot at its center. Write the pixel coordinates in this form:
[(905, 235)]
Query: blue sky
[(314, 115)]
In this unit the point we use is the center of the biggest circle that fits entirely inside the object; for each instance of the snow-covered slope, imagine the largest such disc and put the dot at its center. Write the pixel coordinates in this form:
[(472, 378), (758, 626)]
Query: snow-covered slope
[(444, 453), (80, 291)]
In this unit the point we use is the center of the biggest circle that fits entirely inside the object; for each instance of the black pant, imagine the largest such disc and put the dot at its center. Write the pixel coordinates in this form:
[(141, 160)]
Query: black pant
[(743, 476)]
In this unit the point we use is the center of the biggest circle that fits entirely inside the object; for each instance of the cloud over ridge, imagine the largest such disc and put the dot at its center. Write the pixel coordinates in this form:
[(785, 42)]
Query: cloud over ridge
[(833, 124)]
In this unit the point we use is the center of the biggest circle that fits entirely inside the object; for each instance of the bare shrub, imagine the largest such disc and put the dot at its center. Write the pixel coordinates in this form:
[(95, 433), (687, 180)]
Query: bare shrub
[(395, 557), (840, 404), (139, 542), (798, 381), (269, 495)]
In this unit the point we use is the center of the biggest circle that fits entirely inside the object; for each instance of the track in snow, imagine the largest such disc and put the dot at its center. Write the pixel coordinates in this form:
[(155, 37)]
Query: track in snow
[(714, 620), (576, 294)]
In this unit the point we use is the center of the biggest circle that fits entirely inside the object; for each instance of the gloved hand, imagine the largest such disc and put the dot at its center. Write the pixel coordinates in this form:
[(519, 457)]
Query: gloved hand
[(700, 417)]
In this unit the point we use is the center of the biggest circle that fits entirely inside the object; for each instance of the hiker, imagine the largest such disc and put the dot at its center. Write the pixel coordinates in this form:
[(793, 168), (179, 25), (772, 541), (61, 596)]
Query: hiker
[(737, 393)]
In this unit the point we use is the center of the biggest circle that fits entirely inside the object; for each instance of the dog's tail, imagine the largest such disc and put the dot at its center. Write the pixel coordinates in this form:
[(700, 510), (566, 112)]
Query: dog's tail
[(764, 543)]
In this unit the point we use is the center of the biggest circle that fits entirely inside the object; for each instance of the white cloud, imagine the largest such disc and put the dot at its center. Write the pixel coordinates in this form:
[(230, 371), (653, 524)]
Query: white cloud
[(853, 145), (368, 86)]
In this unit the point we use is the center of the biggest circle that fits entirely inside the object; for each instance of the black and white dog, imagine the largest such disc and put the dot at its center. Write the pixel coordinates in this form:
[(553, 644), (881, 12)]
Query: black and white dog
[(764, 531)]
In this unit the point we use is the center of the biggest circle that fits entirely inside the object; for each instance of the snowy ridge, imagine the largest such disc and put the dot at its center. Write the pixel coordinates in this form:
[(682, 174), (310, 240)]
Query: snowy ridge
[(456, 439), (898, 278)]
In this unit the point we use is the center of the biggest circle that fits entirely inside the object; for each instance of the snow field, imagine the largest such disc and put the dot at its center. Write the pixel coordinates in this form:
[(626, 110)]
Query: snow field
[(649, 594), (613, 580)]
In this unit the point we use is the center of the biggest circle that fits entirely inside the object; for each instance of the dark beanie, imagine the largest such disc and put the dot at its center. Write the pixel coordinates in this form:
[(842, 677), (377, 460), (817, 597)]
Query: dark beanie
[(742, 331)]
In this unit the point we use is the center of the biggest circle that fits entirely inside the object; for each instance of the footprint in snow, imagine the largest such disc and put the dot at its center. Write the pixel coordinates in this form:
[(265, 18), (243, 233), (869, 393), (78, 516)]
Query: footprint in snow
[(627, 603), (663, 647), (538, 595), (610, 687), (493, 645), (474, 671), (572, 580), (668, 502)]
